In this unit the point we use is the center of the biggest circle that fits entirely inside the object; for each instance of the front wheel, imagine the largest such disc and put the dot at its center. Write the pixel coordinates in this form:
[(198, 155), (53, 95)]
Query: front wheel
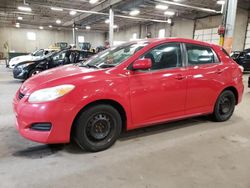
[(97, 128), (224, 106), (34, 72)]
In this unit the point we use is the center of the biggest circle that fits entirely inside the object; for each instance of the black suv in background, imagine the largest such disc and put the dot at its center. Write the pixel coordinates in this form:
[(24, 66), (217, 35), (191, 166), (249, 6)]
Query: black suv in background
[(27, 69), (242, 58)]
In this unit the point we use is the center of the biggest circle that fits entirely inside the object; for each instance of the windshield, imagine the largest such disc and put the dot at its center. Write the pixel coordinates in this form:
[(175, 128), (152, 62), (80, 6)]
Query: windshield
[(114, 56), (38, 52)]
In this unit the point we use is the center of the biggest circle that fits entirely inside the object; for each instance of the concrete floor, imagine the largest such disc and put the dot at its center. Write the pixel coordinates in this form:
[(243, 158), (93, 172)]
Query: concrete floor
[(192, 153)]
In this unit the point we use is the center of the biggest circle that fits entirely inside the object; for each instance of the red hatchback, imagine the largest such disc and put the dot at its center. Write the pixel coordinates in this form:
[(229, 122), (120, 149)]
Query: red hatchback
[(130, 86)]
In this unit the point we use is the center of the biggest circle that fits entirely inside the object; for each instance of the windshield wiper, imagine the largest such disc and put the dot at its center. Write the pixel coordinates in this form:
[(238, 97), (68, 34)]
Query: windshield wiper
[(107, 65), (89, 66)]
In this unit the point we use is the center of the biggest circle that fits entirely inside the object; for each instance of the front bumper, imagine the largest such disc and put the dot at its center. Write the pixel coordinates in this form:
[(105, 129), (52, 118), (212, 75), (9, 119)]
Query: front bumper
[(28, 114), (20, 73)]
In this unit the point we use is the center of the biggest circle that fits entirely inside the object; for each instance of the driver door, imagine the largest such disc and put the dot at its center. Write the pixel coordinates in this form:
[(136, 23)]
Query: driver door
[(159, 94)]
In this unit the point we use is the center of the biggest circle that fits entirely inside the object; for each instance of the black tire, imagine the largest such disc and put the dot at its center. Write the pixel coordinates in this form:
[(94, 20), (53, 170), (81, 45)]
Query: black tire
[(224, 106), (97, 128), (34, 72)]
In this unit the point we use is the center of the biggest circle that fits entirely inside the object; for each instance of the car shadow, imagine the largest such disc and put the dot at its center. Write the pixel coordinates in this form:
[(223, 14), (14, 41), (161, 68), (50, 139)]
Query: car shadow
[(164, 127), (42, 151)]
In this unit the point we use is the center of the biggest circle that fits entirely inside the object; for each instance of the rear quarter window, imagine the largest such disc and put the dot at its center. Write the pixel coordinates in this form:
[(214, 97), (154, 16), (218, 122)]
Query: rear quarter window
[(198, 55)]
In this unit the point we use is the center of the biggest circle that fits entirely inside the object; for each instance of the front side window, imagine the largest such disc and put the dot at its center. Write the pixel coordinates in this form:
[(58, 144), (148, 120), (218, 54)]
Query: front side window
[(198, 55), (165, 56), (59, 56)]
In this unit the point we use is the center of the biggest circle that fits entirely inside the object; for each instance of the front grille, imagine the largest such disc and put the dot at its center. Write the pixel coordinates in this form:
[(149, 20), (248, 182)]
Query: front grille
[(20, 95)]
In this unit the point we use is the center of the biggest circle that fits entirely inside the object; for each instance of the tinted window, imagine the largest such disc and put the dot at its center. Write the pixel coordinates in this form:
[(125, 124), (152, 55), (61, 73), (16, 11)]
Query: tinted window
[(165, 56), (59, 56), (199, 54)]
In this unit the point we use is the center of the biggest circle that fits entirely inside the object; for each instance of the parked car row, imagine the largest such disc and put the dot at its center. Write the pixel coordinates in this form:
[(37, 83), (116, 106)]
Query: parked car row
[(134, 85), (28, 66)]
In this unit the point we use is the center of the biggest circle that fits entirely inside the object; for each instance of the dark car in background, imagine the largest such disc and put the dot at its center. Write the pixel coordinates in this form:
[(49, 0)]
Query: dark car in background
[(28, 69), (242, 58)]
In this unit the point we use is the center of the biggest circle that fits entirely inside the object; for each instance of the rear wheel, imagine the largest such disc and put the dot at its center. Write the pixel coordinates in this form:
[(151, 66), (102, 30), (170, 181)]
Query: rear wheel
[(224, 106), (97, 128), (34, 72)]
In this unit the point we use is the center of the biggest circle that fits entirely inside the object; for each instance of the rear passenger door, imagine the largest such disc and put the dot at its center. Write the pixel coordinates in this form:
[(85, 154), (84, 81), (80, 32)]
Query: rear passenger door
[(205, 78)]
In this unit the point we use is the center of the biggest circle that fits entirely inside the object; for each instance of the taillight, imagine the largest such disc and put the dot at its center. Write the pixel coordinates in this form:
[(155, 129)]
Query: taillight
[(241, 68)]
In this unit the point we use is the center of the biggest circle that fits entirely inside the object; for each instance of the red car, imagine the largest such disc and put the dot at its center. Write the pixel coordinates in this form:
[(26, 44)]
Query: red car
[(134, 85)]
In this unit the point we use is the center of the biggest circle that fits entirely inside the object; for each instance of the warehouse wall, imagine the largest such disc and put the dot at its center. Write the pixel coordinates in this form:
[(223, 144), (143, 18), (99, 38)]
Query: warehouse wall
[(17, 38), (185, 28), (240, 27), (181, 28)]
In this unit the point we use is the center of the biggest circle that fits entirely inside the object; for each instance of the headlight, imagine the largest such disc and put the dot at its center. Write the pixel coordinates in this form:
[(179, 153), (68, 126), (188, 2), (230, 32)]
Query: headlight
[(49, 94)]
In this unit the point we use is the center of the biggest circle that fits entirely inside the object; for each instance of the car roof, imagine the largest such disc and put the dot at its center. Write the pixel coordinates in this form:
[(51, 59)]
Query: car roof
[(174, 39)]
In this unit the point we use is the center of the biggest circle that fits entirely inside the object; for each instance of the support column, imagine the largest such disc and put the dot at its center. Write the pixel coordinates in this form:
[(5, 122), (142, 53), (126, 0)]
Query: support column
[(230, 24), (74, 35), (111, 26)]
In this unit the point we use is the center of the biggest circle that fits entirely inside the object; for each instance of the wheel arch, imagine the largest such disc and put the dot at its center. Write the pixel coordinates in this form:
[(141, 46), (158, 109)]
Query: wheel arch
[(110, 102), (235, 92)]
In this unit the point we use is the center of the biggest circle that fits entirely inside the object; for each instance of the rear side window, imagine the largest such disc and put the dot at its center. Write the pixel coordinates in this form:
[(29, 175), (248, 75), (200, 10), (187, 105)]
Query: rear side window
[(198, 55)]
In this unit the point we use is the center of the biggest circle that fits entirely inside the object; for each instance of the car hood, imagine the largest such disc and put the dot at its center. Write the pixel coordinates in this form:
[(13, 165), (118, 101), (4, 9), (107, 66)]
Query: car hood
[(22, 58), (56, 76), (25, 59)]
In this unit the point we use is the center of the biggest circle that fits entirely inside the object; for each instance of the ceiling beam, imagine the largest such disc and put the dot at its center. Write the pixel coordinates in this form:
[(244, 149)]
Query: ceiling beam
[(102, 6)]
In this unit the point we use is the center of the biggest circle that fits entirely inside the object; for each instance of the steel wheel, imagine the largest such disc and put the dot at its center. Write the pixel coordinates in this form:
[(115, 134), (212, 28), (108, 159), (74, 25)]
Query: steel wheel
[(97, 128), (224, 106)]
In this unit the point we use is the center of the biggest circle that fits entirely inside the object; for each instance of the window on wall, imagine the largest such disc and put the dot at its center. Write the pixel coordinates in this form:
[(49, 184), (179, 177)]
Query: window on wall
[(207, 35), (31, 36), (80, 38), (134, 35), (247, 42), (162, 33)]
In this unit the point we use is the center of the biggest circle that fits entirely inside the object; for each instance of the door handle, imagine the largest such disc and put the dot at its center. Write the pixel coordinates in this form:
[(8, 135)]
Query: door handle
[(179, 77)]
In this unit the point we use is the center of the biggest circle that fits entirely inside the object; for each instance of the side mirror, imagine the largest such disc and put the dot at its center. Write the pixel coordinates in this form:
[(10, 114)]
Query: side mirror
[(142, 64)]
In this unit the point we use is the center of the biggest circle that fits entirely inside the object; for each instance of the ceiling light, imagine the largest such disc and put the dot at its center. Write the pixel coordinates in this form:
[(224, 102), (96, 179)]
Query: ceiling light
[(56, 8), (22, 8), (115, 26), (17, 24), (161, 7), (76, 28), (72, 12), (169, 21), (107, 21), (41, 27), (134, 12), (169, 13), (20, 18), (88, 27), (58, 21), (50, 26), (93, 1), (221, 2)]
